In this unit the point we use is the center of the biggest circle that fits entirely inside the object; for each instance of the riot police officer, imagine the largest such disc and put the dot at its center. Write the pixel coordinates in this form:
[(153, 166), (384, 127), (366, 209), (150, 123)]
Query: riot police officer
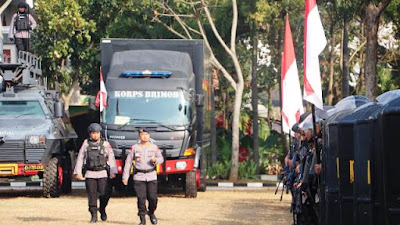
[(22, 22), (306, 182), (97, 157), (146, 156)]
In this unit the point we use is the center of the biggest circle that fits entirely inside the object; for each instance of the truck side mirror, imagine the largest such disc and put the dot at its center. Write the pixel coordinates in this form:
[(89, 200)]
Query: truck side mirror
[(59, 109), (92, 103), (199, 100)]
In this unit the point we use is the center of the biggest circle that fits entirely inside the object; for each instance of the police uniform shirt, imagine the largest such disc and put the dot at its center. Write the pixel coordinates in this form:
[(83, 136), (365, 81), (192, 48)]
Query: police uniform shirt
[(142, 155), (109, 154)]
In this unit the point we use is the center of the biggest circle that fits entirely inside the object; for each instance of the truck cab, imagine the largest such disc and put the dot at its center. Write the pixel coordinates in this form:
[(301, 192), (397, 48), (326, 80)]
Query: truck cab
[(158, 85)]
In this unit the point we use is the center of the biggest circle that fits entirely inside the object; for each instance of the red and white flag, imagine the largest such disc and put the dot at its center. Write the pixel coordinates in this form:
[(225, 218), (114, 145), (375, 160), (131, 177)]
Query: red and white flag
[(291, 100), (314, 44), (101, 98)]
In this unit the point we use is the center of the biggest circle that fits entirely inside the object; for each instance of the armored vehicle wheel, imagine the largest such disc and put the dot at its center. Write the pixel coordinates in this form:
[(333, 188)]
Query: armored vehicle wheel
[(51, 187), (190, 186), (66, 168)]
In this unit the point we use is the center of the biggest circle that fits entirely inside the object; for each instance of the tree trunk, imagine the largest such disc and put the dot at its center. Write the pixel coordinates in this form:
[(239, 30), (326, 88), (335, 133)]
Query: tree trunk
[(361, 79), (337, 92), (235, 133), (283, 135), (254, 96), (361, 89), (213, 129), (346, 70), (372, 15), (67, 97), (331, 65), (371, 31)]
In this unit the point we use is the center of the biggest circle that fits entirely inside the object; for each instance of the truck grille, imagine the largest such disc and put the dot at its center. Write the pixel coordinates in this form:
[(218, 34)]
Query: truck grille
[(34, 155), (12, 151)]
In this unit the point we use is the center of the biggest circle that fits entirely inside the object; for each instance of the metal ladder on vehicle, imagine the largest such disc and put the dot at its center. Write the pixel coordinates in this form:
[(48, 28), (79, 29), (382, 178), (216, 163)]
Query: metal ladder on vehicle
[(26, 72)]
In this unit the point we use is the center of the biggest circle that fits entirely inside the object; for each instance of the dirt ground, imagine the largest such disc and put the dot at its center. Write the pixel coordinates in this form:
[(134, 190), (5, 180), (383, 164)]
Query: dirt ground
[(214, 207)]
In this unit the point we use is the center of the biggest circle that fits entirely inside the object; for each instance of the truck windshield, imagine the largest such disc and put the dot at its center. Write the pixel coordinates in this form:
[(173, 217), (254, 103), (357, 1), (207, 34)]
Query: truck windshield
[(20, 108), (147, 107)]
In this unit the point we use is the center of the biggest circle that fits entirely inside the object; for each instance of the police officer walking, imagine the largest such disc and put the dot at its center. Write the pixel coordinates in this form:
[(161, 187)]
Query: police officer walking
[(146, 156), (21, 24), (96, 156)]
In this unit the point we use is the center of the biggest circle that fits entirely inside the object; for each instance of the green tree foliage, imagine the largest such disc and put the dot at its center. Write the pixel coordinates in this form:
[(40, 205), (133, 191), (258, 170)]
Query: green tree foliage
[(62, 34), (71, 31)]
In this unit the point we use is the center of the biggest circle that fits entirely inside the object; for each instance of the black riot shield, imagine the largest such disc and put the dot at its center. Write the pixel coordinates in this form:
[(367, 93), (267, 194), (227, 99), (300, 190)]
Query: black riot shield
[(388, 147), (346, 169), (367, 205), (330, 206)]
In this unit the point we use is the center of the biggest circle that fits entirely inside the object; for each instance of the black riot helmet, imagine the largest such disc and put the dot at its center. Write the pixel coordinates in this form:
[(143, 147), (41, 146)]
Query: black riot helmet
[(94, 127), (22, 5), (296, 128)]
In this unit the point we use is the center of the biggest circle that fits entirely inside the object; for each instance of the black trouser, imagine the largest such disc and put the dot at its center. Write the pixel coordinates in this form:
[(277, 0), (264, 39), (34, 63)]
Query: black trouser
[(98, 188), (23, 44), (146, 190)]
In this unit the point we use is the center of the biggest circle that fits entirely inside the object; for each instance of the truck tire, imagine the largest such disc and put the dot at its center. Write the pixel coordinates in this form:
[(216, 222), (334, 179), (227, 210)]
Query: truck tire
[(66, 186), (190, 185), (203, 181), (50, 179)]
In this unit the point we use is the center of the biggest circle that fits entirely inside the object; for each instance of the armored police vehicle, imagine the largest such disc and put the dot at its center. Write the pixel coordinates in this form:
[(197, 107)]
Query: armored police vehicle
[(36, 136), (164, 86)]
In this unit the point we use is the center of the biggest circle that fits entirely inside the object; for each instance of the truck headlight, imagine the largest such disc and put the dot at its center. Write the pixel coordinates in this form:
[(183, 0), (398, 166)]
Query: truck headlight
[(180, 165), (36, 139)]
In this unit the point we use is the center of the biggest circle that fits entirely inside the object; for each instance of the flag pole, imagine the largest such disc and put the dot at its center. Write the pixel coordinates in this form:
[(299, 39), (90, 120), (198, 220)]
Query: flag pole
[(315, 134), (313, 120)]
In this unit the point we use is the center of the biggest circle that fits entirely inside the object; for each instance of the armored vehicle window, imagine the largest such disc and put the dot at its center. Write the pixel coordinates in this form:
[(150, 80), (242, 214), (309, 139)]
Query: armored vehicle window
[(20, 108)]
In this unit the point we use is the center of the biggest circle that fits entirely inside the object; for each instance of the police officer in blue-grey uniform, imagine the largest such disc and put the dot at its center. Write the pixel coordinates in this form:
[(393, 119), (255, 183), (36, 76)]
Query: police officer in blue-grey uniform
[(97, 157), (146, 156)]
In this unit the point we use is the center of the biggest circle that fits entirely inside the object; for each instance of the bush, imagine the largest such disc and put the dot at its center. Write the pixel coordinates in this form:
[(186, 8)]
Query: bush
[(247, 170), (220, 170), (271, 154)]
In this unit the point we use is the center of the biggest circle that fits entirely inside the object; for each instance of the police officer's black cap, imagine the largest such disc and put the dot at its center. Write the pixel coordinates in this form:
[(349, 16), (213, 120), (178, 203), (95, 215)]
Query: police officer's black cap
[(296, 128), (94, 127), (22, 5), (143, 130)]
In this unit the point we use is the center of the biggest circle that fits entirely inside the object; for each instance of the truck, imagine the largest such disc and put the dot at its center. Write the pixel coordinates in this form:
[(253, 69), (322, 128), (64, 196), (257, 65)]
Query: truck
[(164, 86), (36, 137)]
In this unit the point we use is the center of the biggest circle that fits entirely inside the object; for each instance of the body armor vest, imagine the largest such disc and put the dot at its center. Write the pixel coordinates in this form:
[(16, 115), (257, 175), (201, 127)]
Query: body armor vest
[(96, 156), (22, 22)]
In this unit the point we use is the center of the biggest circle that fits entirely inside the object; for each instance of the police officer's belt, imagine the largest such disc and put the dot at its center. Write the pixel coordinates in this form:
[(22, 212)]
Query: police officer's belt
[(144, 171), (97, 168)]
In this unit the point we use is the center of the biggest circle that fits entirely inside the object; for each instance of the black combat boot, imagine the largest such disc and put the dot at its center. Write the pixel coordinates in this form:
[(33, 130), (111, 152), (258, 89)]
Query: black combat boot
[(142, 220), (103, 214), (153, 219), (94, 217)]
